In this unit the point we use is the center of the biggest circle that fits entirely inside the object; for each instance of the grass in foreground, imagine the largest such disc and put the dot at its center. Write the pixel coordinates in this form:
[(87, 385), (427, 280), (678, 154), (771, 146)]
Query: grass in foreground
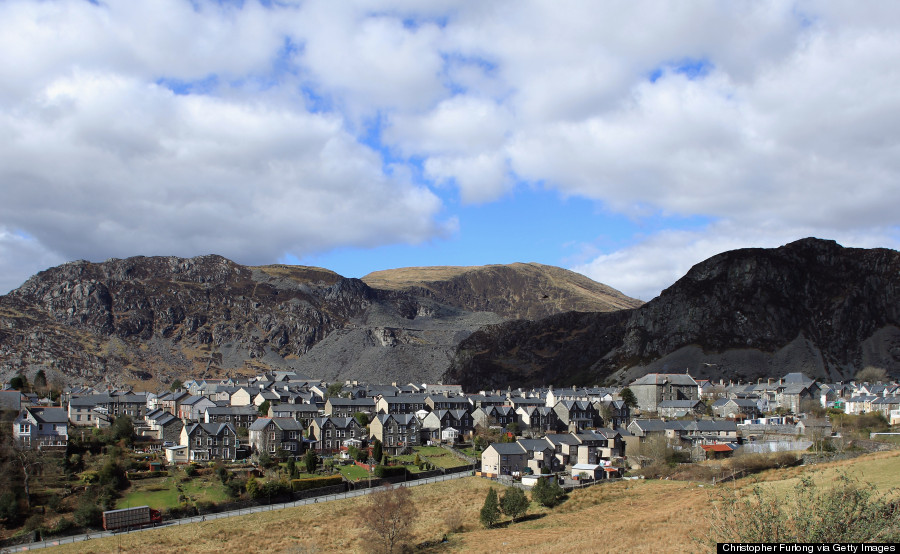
[(633, 516)]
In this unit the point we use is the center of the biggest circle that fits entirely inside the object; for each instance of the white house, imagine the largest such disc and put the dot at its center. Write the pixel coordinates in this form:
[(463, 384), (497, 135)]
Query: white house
[(38, 426)]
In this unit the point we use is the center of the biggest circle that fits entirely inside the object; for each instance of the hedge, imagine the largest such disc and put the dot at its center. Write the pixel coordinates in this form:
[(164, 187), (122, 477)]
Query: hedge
[(315, 482), (137, 475), (389, 471)]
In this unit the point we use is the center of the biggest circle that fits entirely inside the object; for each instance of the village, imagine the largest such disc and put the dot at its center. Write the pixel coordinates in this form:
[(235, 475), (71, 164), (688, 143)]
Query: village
[(285, 436)]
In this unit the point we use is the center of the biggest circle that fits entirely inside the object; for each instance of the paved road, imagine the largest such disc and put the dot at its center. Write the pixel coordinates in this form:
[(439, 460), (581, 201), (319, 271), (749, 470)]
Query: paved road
[(233, 513)]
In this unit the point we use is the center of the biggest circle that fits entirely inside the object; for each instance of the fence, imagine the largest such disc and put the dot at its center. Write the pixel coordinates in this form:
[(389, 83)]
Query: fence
[(232, 513)]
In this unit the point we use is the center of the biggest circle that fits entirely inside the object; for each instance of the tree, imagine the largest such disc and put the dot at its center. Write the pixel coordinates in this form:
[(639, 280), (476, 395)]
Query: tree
[(547, 494), (19, 382), (333, 390), (629, 398), (40, 381), (514, 503), (291, 468), (872, 374), (176, 384), (122, 428), (849, 511), (390, 517), (377, 450), (253, 488), (264, 408), (362, 418), (490, 512), (310, 460)]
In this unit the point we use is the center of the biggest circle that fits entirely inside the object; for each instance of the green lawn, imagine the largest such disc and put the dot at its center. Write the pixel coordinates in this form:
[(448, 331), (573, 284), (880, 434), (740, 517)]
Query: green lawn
[(439, 457), (163, 492), (354, 472)]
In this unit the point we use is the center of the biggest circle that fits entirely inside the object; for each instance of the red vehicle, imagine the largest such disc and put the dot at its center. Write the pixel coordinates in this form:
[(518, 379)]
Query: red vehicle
[(131, 518)]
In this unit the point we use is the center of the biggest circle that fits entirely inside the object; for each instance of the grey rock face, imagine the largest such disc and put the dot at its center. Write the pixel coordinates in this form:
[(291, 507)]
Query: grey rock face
[(811, 305)]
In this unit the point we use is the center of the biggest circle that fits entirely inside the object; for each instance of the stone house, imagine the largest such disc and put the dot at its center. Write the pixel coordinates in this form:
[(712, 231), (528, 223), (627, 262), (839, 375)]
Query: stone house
[(278, 433), (397, 432), (653, 388), (210, 441)]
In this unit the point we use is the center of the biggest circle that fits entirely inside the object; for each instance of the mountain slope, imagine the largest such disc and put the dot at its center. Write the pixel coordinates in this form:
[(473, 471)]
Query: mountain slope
[(515, 291), (161, 318), (810, 306)]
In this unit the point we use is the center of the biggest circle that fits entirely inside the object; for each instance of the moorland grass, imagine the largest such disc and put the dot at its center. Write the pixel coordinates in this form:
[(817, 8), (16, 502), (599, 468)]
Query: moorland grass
[(627, 516)]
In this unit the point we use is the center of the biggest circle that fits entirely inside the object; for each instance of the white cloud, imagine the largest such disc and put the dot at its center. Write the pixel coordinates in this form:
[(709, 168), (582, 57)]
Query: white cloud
[(759, 116), (20, 257), (655, 262), (104, 163)]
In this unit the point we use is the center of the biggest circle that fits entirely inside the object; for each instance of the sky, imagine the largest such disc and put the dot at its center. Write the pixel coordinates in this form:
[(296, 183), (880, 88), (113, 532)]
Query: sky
[(626, 141)]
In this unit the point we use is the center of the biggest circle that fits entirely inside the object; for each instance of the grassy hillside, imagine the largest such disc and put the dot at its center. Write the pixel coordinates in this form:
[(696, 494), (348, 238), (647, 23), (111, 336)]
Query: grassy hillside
[(634, 516)]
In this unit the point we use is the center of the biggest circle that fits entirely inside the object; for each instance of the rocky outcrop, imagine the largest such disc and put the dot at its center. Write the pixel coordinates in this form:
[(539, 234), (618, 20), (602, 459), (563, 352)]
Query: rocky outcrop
[(810, 306), (160, 318)]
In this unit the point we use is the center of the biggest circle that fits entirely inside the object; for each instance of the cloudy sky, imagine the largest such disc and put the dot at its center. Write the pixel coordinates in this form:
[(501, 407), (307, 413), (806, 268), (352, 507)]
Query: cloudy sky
[(627, 141)]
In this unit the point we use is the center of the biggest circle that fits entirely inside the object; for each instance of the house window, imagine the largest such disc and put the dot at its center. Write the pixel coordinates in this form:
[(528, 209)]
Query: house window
[(272, 436), (226, 453), (272, 447), (199, 441), (24, 428)]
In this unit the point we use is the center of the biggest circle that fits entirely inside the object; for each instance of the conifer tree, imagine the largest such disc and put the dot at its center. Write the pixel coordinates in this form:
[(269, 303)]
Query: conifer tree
[(490, 512)]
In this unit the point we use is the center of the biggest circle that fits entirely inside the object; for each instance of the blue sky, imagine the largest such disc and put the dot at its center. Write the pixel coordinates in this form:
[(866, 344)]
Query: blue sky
[(626, 142)]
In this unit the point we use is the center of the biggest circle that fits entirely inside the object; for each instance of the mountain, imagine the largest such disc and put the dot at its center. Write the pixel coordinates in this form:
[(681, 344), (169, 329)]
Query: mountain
[(516, 291), (160, 318), (810, 306)]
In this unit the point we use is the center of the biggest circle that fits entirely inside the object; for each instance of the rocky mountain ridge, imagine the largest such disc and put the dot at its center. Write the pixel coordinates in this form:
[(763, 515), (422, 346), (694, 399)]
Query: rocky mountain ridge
[(159, 318), (810, 306)]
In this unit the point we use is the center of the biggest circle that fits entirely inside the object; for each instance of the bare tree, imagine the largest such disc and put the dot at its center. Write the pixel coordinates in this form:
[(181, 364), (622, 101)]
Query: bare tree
[(389, 517), (872, 374), (29, 461)]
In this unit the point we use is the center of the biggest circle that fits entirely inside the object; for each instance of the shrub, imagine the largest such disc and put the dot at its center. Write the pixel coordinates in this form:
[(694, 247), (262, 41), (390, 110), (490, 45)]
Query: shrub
[(847, 512), (63, 526), (253, 487), (274, 488), (389, 471), (88, 514), (315, 482), (547, 493), (9, 507)]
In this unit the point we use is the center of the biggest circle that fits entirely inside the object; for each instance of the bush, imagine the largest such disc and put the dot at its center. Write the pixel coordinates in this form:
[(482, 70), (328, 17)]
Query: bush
[(88, 514), (547, 494), (63, 526), (274, 488), (315, 482), (847, 512), (9, 507), (389, 471)]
